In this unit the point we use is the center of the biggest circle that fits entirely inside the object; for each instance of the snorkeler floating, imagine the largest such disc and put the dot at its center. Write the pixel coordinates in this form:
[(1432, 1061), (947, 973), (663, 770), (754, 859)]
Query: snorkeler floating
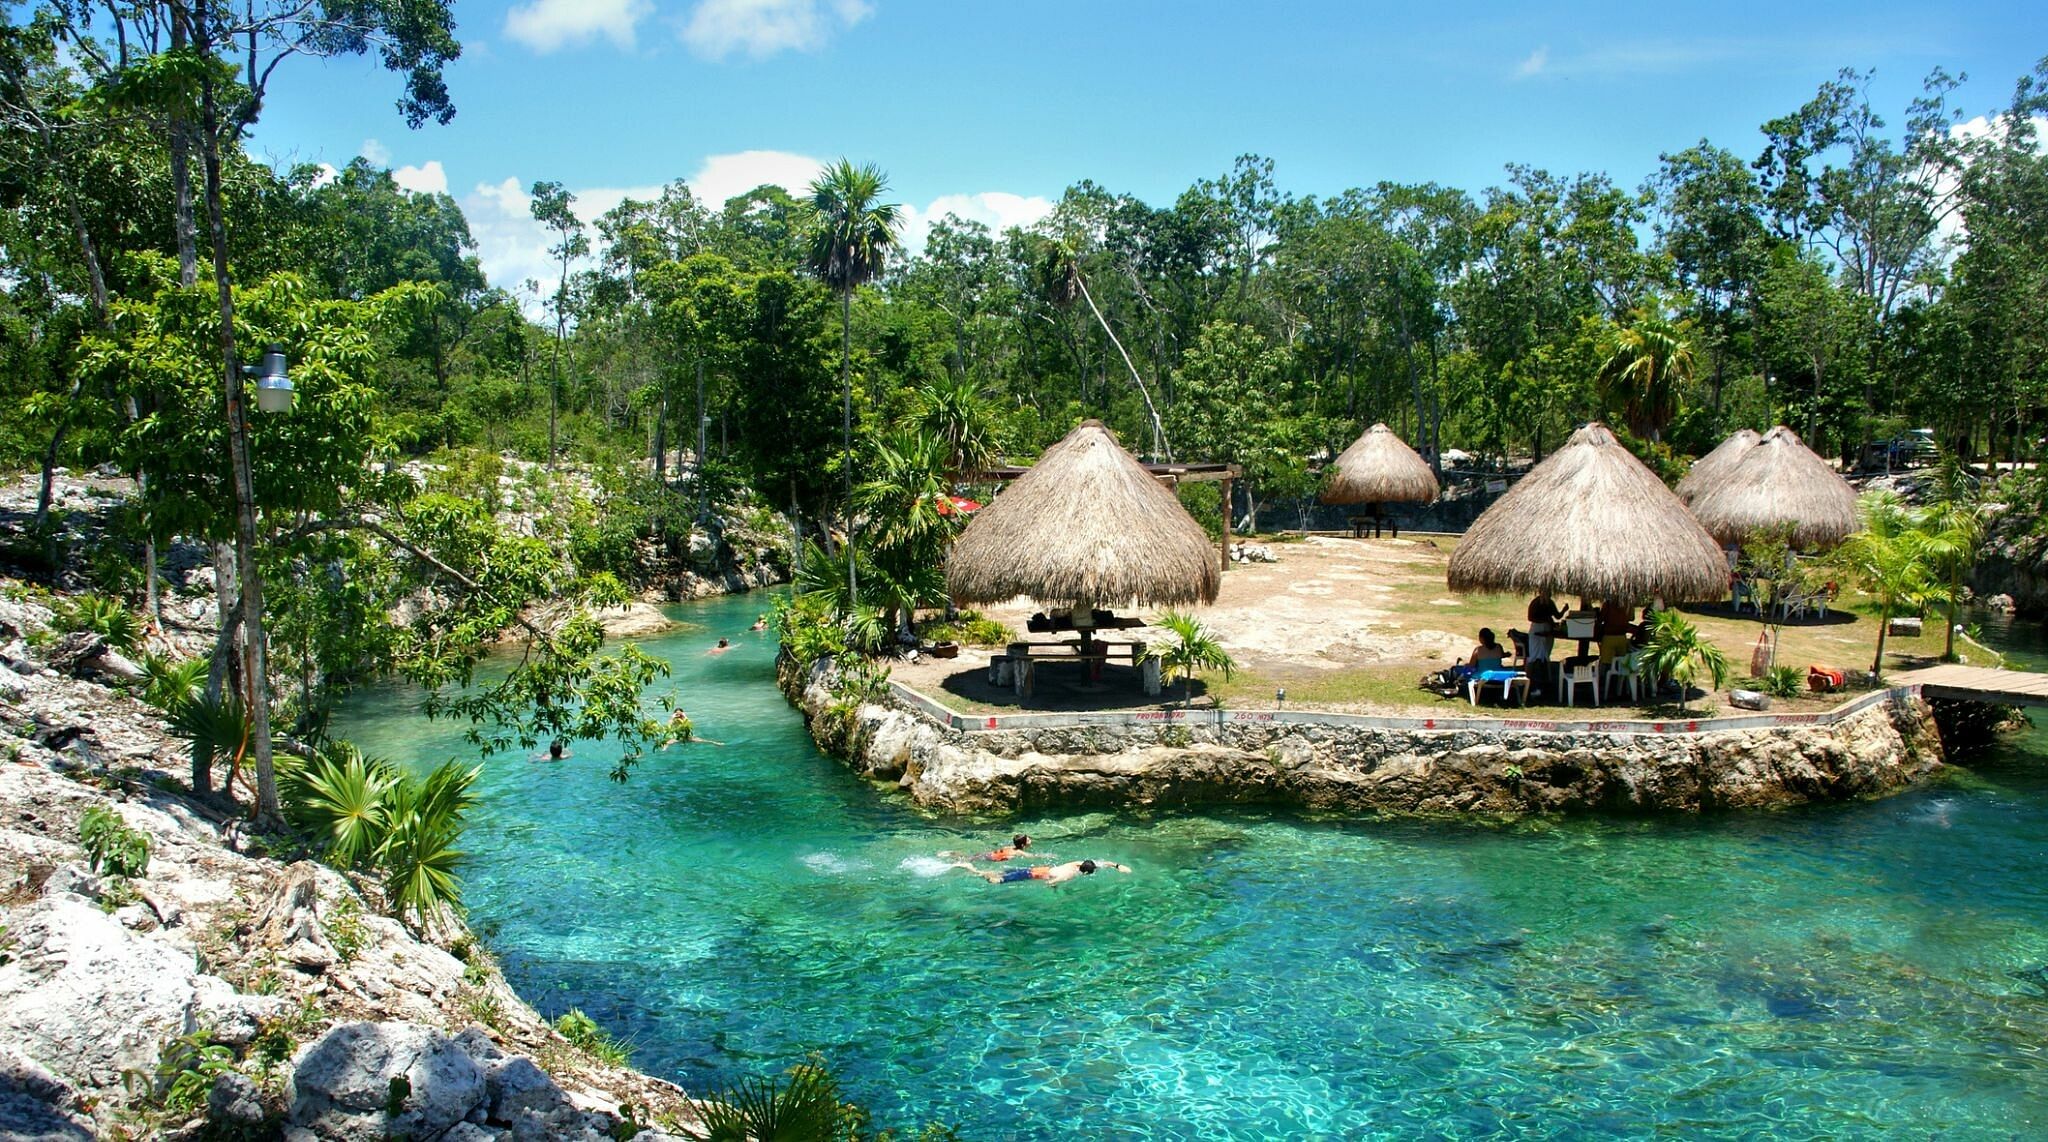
[(1011, 851), (1052, 874)]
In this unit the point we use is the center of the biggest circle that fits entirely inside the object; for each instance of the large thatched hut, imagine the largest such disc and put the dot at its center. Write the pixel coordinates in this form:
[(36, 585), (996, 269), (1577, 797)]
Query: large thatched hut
[(1379, 468), (1592, 521), (1780, 483), (1086, 525), (1711, 469)]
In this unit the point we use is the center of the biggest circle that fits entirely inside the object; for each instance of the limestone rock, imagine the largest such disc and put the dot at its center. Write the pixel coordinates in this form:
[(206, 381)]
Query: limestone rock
[(35, 1105), (88, 999), (236, 1101), (343, 1082)]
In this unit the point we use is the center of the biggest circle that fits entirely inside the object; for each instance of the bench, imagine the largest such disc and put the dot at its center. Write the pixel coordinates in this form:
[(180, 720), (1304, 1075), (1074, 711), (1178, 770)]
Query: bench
[(1361, 523)]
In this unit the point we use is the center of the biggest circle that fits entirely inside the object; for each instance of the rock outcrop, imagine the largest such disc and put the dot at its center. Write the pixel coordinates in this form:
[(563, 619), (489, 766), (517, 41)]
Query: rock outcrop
[(286, 970), (1315, 767)]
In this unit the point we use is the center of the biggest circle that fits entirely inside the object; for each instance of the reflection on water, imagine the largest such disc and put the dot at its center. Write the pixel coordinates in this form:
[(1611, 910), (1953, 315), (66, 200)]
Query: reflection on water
[(1848, 970)]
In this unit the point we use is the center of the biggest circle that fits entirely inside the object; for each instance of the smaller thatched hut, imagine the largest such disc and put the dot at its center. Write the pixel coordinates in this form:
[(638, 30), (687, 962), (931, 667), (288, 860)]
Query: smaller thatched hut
[(1379, 468), (1592, 521), (1780, 483), (1712, 468), (1087, 525)]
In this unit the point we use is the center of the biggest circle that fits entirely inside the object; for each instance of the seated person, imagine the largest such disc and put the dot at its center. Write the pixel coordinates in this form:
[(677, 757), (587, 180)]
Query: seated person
[(1488, 655)]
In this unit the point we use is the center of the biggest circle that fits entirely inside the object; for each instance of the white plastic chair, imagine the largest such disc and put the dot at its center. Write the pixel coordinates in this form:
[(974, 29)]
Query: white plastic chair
[(1629, 668), (1577, 676)]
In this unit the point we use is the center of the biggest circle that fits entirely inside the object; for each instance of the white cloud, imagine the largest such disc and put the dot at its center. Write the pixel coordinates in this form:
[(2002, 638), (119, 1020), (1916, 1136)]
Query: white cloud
[(514, 248), (760, 28), (378, 154), (1534, 64), (727, 176), (548, 25), (998, 210), (427, 178)]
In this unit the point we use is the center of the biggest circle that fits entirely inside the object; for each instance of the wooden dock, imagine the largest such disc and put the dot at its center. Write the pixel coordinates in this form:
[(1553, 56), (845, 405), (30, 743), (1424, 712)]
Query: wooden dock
[(1977, 684)]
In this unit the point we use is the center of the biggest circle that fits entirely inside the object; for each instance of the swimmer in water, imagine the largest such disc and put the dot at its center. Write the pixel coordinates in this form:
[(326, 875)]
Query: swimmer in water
[(723, 646), (1011, 851), (760, 623), (557, 750), (1052, 874)]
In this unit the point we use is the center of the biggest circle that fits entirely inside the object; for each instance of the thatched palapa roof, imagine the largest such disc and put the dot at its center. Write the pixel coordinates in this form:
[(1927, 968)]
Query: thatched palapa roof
[(1591, 520), (1086, 524), (1780, 483), (1379, 468), (1710, 469)]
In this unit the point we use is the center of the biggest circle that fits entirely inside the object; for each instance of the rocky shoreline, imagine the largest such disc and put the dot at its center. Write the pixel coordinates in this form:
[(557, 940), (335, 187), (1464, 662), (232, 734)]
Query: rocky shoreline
[(231, 993), (1314, 768)]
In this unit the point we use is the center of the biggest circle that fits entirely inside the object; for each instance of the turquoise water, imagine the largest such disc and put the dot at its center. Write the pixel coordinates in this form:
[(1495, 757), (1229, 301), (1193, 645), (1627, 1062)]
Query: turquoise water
[(1859, 970)]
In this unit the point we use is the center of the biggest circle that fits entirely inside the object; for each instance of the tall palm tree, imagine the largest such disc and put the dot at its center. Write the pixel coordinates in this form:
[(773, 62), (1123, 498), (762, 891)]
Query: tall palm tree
[(955, 411), (1642, 374), (855, 232)]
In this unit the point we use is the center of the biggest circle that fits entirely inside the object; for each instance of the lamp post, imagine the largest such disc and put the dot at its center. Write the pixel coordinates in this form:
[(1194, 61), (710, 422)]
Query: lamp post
[(273, 394)]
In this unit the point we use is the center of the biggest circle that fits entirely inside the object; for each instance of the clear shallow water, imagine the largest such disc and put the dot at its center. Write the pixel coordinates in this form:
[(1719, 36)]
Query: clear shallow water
[(1839, 971)]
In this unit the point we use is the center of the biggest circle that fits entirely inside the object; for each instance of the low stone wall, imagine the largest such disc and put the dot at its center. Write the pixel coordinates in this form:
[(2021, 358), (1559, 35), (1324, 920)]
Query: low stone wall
[(1334, 762)]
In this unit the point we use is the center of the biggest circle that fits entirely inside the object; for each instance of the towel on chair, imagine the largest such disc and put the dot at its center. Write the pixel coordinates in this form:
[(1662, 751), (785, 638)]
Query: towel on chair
[(1497, 675)]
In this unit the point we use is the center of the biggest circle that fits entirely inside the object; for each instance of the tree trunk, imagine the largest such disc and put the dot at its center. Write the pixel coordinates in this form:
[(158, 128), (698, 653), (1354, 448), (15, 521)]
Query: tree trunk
[(1884, 627), (1160, 445), (255, 678), (703, 500), (182, 222)]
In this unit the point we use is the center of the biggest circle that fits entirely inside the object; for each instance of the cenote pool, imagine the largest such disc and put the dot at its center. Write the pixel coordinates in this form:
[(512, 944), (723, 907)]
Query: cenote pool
[(1865, 970)]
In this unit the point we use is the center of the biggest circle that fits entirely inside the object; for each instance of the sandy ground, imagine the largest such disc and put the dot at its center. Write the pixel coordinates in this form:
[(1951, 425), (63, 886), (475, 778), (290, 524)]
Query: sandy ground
[(1327, 604)]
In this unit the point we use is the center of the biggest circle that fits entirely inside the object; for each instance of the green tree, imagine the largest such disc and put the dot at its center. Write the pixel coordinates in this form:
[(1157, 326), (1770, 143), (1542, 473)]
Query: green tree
[(555, 208)]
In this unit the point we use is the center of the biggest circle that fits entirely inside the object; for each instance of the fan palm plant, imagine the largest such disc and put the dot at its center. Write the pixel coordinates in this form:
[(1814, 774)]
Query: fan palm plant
[(215, 728), (856, 230), (955, 410), (169, 683), (340, 797), (1644, 370), (1193, 650), (803, 1107), (1678, 651)]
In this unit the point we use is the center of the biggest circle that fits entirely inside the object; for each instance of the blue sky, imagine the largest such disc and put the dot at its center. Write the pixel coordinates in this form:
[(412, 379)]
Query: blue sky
[(990, 108)]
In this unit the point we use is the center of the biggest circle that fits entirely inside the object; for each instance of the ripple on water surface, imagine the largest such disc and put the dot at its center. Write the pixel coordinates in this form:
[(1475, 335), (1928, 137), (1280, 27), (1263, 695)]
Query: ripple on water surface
[(1851, 970)]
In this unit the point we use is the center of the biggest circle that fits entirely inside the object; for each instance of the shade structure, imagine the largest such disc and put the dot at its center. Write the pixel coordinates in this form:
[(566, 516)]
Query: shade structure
[(1085, 525), (1780, 483), (1379, 468), (1591, 520), (1711, 469)]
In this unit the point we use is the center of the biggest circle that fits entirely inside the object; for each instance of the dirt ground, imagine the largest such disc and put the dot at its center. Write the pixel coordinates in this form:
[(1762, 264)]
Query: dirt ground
[(1350, 624)]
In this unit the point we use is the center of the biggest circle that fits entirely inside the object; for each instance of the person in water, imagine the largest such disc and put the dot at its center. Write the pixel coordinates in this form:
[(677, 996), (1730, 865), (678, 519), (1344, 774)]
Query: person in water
[(1052, 874), (760, 623), (1011, 851), (558, 749), (723, 646)]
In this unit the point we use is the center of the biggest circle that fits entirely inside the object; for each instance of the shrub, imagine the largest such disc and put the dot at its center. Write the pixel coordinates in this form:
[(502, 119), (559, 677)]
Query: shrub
[(186, 1070), (106, 617), (1782, 682), (111, 847)]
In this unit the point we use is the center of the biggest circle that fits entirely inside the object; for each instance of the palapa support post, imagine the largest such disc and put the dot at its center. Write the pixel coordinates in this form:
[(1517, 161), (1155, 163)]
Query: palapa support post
[(1224, 550)]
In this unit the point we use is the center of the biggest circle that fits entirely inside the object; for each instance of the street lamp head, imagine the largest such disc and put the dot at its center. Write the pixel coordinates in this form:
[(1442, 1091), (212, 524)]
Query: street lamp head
[(273, 385)]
